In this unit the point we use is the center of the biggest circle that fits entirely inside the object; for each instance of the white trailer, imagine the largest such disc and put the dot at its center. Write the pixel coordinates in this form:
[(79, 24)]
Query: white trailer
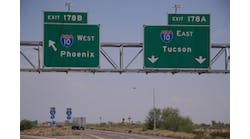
[(78, 123)]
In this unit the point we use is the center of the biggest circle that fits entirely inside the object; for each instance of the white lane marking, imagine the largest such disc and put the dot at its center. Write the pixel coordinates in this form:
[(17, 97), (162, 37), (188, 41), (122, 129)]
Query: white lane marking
[(94, 136)]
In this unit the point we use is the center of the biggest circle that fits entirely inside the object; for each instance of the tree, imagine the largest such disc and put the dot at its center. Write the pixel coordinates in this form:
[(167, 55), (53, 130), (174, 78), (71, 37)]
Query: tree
[(25, 124), (169, 119), (186, 125), (123, 120), (149, 122)]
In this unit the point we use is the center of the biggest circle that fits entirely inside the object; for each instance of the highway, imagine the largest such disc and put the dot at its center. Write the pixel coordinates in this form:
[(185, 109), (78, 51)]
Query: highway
[(59, 137), (98, 134)]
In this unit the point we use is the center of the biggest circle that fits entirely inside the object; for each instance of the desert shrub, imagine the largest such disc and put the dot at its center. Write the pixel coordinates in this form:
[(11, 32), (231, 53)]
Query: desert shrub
[(220, 134), (57, 133), (168, 119), (149, 122), (59, 126), (185, 125), (25, 124)]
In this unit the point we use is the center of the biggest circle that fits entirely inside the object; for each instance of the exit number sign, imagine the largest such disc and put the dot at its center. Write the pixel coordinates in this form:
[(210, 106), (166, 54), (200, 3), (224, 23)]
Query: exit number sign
[(65, 17), (188, 19)]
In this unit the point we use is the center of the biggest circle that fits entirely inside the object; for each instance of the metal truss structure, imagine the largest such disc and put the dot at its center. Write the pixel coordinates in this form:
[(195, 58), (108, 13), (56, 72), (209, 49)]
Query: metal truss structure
[(120, 67)]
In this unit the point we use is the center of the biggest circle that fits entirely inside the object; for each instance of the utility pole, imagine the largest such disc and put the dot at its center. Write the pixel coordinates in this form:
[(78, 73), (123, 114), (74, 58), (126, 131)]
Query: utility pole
[(154, 108)]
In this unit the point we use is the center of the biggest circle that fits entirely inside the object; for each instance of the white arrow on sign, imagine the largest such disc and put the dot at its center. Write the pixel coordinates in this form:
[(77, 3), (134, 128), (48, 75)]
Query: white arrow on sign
[(200, 59), (52, 44), (153, 59)]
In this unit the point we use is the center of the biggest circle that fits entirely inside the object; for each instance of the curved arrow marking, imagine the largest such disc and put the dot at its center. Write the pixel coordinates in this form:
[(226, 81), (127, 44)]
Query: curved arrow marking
[(200, 59), (153, 59), (52, 44)]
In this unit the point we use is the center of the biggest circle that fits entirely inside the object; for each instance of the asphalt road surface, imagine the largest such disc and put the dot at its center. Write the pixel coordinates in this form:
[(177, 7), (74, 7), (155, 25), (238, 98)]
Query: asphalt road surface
[(59, 137), (98, 134)]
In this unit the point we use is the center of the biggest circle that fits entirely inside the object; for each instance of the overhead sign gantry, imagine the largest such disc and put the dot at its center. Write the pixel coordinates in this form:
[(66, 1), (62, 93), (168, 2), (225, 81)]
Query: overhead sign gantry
[(70, 44)]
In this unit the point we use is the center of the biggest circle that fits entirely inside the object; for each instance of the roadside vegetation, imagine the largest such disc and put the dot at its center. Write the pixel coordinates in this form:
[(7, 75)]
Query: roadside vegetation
[(168, 119), (46, 131), (138, 128), (169, 123), (29, 128), (213, 130), (25, 124)]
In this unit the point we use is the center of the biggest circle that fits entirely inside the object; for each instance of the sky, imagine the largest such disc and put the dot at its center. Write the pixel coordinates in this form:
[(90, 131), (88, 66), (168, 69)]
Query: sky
[(114, 96)]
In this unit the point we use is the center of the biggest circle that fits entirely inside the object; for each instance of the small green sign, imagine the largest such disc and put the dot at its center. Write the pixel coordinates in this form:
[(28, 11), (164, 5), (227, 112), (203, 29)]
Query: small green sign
[(176, 47), (188, 19), (65, 17)]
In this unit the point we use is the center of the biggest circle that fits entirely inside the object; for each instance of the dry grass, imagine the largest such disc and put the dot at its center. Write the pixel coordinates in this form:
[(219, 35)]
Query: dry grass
[(167, 133), (139, 130), (50, 132)]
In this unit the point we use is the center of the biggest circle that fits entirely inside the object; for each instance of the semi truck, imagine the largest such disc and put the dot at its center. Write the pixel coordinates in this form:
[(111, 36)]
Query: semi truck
[(78, 123)]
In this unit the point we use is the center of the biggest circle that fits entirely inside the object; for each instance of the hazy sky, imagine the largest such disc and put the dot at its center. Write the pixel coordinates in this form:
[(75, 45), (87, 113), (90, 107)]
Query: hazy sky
[(111, 95)]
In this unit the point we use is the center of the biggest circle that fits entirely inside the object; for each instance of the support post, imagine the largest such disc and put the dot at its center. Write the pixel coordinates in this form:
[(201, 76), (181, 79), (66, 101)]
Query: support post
[(121, 57), (226, 59), (154, 108), (39, 60)]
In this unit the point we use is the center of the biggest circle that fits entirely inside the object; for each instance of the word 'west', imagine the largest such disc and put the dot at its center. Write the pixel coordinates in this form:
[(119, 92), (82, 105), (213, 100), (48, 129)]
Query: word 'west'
[(85, 38)]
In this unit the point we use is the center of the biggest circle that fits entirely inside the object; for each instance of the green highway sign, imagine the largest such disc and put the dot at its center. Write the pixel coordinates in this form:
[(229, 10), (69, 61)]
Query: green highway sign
[(176, 47), (71, 45), (188, 19), (65, 17)]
